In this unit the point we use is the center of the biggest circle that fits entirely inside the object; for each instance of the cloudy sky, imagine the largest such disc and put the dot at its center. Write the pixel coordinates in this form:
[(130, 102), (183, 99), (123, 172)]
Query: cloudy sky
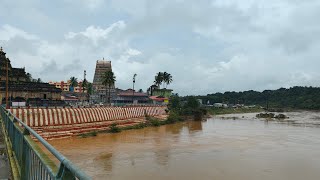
[(207, 45)]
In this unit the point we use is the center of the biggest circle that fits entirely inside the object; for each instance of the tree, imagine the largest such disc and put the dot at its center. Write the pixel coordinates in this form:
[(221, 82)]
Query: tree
[(73, 82), (174, 103), (140, 91), (84, 85), (89, 88), (158, 79), (108, 80), (167, 78)]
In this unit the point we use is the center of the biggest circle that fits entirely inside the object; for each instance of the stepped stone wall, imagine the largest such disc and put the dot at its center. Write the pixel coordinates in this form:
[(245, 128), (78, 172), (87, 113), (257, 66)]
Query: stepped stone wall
[(64, 122)]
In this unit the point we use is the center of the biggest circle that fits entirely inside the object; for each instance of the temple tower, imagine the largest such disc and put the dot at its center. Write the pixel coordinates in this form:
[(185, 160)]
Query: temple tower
[(100, 90)]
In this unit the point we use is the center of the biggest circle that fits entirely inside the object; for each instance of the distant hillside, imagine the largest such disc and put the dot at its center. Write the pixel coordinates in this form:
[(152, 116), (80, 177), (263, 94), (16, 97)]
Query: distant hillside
[(295, 97)]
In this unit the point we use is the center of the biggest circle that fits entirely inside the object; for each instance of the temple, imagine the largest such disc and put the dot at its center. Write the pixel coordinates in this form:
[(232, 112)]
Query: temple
[(22, 89), (100, 90)]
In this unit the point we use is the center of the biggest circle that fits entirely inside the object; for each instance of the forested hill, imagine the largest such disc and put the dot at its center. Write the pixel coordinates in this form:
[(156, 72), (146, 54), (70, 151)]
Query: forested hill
[(295, 97)]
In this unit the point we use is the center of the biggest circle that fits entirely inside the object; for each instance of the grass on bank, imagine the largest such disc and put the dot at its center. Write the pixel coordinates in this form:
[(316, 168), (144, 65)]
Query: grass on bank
[(220, 111), (150, 122), (178, 111)]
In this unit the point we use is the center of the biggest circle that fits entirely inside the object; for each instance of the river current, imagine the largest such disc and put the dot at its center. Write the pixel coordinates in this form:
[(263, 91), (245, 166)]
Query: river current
[(228, 147)]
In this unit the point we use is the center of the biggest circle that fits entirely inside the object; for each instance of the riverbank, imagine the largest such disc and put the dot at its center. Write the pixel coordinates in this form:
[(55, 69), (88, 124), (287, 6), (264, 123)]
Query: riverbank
[(221, 111), (147, 122), (171, 119), (243, 148)]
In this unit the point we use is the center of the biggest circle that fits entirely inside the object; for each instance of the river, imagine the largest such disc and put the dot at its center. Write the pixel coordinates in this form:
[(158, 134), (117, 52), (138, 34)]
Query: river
[(225, 147)]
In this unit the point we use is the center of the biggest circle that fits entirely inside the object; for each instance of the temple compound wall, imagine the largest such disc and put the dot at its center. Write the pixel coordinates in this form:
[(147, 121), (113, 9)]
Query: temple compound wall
[(53, 123)]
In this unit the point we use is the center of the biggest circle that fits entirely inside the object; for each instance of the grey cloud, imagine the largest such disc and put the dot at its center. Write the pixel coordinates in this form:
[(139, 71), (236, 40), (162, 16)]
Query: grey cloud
[(207, 46)]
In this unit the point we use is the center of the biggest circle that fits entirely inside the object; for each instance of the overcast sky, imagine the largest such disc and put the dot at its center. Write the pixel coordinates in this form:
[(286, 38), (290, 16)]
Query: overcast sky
[(207, 45)]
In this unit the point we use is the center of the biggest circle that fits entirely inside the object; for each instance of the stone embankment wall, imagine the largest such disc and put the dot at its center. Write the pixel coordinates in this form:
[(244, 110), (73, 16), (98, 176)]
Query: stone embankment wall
[(64, 122)]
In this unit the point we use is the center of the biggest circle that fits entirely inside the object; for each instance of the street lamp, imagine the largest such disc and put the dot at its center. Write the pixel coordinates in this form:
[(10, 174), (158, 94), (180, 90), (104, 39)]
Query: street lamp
[(133, 81)]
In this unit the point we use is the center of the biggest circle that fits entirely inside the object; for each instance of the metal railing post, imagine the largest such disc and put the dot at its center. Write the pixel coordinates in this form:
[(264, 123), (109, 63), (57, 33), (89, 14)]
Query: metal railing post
[(30, 161), (24, 166)]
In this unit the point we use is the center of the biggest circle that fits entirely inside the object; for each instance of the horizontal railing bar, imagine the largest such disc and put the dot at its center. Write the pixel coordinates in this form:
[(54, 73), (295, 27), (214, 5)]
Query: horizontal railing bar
[(63, 160)]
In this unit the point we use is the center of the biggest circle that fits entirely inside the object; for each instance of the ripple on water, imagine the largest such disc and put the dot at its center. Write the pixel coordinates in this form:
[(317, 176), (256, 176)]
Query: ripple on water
[(231, 148)]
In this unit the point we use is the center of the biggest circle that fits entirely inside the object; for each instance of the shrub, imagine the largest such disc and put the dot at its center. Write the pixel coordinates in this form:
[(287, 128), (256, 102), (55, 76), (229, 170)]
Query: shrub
[(114, 128), (94, 133), (173, 117), (155, 122)]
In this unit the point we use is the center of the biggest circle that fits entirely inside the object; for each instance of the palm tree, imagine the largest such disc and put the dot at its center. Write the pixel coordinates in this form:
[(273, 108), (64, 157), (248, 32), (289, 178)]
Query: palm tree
[(108, 79), (89, 88), (84, 85), (158, 79), (73, 82), (167, 78)]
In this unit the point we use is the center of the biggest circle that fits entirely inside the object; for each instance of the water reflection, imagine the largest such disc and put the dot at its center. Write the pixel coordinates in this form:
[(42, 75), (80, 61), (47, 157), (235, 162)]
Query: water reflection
[(245, 148)]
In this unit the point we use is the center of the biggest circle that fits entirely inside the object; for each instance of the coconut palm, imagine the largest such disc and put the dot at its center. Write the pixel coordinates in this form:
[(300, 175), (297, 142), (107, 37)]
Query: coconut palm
[(73, 82), (89, 88), (167, 78), (108, 79), (84, 84), (158, 79)]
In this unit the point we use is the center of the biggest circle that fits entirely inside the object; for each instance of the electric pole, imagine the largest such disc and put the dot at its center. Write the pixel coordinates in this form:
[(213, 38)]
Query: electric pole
[(134, 81)]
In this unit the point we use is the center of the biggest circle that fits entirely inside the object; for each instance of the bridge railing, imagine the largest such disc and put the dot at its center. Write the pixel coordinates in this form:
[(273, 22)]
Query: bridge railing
[(30, 160)]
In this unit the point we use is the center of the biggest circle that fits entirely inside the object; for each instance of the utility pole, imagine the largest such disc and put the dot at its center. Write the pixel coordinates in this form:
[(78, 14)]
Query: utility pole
[(134, 81), (84, 82), (7, 85)]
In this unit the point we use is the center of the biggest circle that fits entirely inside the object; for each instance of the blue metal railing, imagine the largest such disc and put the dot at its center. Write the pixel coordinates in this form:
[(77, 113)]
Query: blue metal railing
[(31, 161)]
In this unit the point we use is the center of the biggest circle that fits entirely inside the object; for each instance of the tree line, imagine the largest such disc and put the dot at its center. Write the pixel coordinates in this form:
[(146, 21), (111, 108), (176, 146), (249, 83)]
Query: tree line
[(297, 97)]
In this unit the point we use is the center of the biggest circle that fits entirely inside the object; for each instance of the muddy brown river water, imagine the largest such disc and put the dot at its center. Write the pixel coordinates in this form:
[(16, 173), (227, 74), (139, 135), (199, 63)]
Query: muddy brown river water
[(238, 147)]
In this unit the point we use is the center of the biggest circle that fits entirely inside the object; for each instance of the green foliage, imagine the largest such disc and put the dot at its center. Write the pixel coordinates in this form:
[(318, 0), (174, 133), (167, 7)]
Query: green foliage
[(167, 78), (173, 117), (219, 111), (114, 128), (158, 79), (295, 98), (108, 79), (89, 88), (155, 122), (137, 126), (90, 134), (192, 103), (163, 77), (73, 81), (174, 103)]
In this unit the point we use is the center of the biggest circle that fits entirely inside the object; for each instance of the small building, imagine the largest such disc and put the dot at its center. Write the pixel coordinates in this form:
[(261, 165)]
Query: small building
[(161, 92), (130, 96), (159, 100), (66, 86)]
